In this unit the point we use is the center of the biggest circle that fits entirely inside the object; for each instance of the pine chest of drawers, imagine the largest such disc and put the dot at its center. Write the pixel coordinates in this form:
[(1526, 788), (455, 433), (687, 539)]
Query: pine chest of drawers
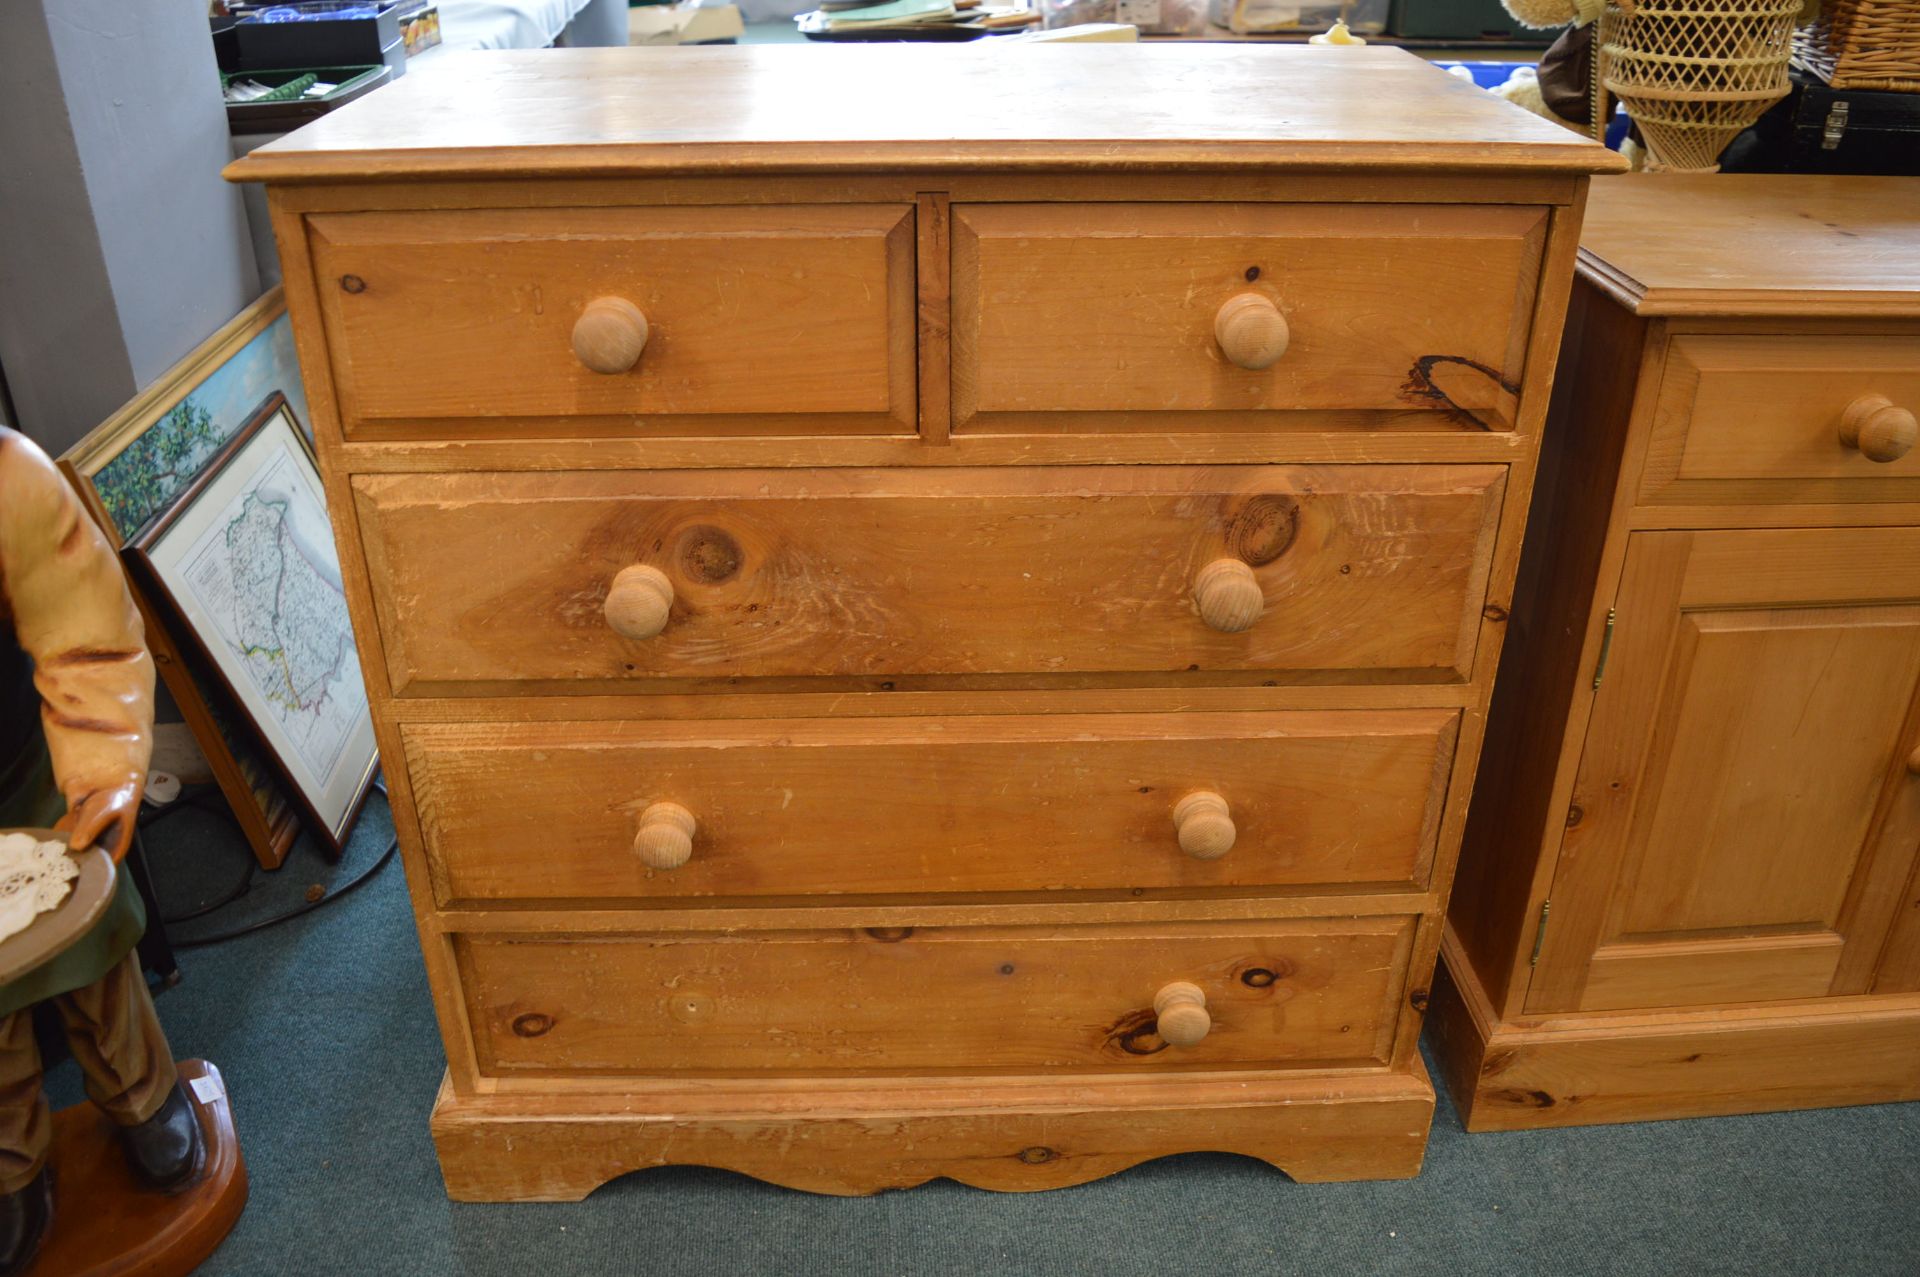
[(929, 612)]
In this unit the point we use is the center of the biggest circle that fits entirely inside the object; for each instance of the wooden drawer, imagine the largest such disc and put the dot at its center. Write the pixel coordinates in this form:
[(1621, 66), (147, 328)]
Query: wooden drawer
[(933, 999), (759, 320), (991, 803), (492, 582), (1104, 316), (1747, 417)]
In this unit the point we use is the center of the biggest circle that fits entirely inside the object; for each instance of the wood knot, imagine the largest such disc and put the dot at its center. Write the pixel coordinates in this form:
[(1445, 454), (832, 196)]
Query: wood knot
[(1264, 976), (889, 935), (1037, 1155), (1137, 1033), (1263, 529), (1494, 612), (353, 284), (1418, 1000), (709, 555), (532, 1025), (1575, 814)]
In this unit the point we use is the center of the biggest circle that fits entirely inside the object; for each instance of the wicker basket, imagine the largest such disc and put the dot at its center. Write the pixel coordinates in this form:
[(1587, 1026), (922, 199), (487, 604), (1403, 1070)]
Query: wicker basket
[(1694, 73), (1864, 44)]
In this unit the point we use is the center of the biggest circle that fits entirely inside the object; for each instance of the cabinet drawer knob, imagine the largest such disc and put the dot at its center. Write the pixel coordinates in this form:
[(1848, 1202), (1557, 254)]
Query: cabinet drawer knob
[(665, 837), (1251, 331), (1228, 595), (1182, 1012), (1879, 428), (1204, 825), (638, 602), (610, 334)]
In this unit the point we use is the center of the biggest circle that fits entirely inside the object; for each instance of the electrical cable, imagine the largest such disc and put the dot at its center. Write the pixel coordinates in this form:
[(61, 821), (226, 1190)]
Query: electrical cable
[(246, 881), (306, 907)]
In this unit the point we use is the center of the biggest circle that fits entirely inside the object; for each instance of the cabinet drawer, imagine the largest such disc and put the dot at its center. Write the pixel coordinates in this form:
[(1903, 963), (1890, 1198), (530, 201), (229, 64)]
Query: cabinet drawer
[(1760, 418), (933, 999), (1108, 315), (758, 320), (491, 581), (990, 803)]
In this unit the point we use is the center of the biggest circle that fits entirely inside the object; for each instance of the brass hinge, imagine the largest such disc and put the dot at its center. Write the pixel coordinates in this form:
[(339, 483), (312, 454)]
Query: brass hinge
[(1606, 648), (1540, 936)]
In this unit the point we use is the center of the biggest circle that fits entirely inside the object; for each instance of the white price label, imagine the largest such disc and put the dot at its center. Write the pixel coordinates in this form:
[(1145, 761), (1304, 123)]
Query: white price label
[(1141, 13)]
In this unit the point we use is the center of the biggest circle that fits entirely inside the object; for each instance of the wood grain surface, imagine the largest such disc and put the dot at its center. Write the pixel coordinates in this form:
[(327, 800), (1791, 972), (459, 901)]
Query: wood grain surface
[(931, 806), (794, 320), (1061, 310), (1020, 1000), (720, 109), (1379, 571), (1799, 245)]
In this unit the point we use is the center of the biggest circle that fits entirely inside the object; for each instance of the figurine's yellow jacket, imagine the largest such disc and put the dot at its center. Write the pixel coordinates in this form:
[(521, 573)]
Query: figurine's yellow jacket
[(63, 597)]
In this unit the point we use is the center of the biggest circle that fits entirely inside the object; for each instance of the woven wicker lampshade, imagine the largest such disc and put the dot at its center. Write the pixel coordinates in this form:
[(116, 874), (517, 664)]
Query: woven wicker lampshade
[(1694, 73)]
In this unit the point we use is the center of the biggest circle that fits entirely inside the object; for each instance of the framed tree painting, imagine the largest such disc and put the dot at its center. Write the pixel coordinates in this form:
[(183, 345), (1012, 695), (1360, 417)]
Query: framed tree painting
[(245, 559), (138, 462)]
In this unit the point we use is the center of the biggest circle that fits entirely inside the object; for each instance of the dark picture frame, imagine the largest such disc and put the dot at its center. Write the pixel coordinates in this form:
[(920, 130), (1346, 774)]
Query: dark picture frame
[(299, 651)]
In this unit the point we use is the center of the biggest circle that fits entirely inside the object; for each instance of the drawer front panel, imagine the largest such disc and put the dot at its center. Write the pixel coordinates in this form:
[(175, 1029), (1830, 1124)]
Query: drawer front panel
[(933, 999), (761, 320), (496, 581), (1749, 417), (989, 803), (1061, 311)]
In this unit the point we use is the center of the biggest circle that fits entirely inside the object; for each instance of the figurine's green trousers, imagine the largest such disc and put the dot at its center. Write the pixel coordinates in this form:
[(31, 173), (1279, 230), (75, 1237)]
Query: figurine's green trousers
[(116, 1038)]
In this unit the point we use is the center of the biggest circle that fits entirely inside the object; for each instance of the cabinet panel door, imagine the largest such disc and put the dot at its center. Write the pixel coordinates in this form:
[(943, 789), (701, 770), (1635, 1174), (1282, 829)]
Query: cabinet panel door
[(1744, 818)]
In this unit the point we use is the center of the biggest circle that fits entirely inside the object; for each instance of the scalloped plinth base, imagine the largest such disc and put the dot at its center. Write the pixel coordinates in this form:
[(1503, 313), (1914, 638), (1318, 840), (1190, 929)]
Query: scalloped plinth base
[(854, 1137)]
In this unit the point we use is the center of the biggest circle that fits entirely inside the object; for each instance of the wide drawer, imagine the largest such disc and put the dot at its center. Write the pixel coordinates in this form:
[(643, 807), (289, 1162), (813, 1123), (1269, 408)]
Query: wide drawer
[(1110, 315), (989, 803), (1744, 417), (492, 581), (763, 319), (934, 999)]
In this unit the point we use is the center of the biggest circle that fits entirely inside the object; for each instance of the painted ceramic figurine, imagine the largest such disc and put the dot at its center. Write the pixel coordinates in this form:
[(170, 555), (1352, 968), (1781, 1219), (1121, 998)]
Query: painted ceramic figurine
[(64, 605)]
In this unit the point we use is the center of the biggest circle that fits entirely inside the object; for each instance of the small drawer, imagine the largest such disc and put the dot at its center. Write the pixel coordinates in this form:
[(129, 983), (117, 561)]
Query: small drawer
[(1239, 316), (966, 805), (938, 999), (628, 580), (1806, 418), (620, 321)]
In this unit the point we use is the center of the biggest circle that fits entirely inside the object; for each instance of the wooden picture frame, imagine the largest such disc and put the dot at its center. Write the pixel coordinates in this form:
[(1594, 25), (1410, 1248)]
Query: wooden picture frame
[(244, 558), (100, 467)]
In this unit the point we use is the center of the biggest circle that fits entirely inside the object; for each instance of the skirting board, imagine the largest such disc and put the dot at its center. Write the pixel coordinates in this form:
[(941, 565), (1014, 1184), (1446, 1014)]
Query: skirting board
[(1012, 1134), (1587, 1070)]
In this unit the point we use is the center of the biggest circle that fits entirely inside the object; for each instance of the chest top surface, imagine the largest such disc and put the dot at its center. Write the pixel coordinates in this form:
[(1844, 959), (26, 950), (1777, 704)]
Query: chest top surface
[(1740, 244), (725, 109)]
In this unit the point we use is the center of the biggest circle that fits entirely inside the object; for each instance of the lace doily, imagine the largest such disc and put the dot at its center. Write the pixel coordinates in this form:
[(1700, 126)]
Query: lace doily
[(35, 876)]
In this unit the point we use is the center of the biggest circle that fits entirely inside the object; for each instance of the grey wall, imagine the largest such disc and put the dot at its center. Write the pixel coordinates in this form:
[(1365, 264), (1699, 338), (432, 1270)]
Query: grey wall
[(120, 247)]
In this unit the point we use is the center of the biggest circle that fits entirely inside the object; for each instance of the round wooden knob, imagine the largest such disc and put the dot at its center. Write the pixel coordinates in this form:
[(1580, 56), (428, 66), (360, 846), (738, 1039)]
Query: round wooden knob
[(1182, 1011), (665, 836), (1251, 331), (610, 334), (1204, 825), (1228, 595), (1879, 428), (638, 602), (1913, 762)]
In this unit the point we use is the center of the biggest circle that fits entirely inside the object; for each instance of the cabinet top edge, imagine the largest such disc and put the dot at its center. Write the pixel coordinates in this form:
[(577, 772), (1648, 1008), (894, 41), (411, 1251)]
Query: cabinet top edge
[(846, 108)]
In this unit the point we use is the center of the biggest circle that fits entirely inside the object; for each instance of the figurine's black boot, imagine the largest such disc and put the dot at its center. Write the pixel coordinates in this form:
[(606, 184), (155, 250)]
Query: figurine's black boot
[(164, 1152), (23, 1223)]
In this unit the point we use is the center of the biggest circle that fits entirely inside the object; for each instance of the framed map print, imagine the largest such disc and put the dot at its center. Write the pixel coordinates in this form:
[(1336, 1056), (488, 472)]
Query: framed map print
[(246, 558)]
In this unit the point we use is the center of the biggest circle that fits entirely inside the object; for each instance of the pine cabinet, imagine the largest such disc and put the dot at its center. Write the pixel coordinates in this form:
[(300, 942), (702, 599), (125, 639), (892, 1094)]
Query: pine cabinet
[(1688, 881)]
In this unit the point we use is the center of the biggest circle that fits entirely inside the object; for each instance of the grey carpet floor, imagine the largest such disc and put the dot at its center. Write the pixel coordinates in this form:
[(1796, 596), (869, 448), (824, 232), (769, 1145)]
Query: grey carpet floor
[(323, 1031)]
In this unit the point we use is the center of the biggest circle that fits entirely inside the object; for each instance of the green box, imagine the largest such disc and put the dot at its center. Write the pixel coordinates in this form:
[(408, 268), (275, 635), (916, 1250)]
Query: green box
[(1458, 20)]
